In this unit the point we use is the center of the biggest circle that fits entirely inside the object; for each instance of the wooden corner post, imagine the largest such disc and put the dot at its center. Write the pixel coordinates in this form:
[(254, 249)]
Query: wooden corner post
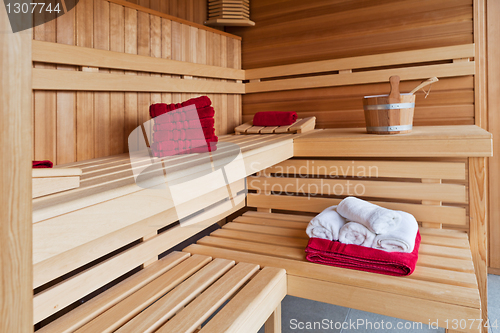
[(16, 289), (478, 237)]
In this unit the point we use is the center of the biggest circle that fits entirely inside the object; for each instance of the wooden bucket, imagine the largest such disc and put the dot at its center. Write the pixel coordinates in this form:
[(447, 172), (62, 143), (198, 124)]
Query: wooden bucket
[(389, 114)]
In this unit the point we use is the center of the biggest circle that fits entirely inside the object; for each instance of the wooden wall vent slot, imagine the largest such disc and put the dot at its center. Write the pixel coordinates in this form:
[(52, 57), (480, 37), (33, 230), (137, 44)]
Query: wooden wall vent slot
[(300, 126)]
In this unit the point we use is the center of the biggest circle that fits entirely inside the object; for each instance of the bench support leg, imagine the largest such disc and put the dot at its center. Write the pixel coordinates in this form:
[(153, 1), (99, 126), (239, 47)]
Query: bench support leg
[(273, 324), (478, 189)]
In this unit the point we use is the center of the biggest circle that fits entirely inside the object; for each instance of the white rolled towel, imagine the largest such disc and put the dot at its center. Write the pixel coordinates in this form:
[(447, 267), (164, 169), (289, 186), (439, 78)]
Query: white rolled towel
[(326, 224), (355, 233), (401, 239), (377, 219)]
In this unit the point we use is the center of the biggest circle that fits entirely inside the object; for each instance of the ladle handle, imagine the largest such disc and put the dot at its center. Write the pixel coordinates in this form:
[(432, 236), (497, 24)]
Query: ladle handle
[(423, 84), (394, 96)]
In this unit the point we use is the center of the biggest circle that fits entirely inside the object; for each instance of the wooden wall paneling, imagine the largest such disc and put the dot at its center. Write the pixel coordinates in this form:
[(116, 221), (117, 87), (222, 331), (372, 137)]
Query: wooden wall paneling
[(166, 50), (187, 52), (193, 40), (143, 48), (165, 6), (176, 51), (102, 123), (238, 98), (131, 117), (156, 49), (210, 61), (451, 101), (292, 31), (223, 97), (189, 10), (173, 7), (45, 123), (155, 5), (200, 11), (493, 37), (16, 133), (217, 98), (117, 99), (85, 100), (231, 101), (66, 101)]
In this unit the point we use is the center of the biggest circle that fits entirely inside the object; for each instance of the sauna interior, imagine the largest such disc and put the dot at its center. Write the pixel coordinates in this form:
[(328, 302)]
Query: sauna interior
[(113, 237)]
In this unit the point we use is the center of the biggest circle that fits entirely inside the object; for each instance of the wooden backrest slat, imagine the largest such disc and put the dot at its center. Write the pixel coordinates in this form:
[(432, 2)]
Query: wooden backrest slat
[(53, 79), (438, 214), (369, 61), (56, 53), (363, 168), (371, 76)]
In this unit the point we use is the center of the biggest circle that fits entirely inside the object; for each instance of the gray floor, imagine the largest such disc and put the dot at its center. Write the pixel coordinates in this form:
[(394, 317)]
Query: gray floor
[(298, 311)]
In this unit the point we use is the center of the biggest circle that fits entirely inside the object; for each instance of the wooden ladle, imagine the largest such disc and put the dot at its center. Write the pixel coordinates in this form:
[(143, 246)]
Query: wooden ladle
[(423, 84)]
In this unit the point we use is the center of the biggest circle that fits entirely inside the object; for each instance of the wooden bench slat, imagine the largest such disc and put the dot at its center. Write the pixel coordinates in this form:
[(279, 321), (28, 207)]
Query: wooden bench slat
[(457, 278), (92, 308), (381, 302), (389, 284), (164, 308), (445, 252), (232, 317), (195, 313), (278, 216), (114, 317)]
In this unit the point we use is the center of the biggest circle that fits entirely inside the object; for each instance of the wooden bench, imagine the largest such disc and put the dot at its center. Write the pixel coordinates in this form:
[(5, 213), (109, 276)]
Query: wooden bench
[(108, 234), (439, 192), (99, 245), (179, 293)]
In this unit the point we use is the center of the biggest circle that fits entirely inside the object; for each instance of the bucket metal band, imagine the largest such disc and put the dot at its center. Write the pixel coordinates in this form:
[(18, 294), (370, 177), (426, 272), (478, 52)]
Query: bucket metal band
[(389, 128), (389, 106)]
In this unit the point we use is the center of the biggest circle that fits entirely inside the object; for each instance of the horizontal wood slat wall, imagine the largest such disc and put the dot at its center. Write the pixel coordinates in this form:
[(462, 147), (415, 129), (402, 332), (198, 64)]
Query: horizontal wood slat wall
[(74, 125), (293, 32)]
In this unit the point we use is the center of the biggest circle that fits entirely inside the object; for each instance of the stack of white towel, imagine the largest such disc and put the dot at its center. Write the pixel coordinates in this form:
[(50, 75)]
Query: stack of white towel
[(355, 221)]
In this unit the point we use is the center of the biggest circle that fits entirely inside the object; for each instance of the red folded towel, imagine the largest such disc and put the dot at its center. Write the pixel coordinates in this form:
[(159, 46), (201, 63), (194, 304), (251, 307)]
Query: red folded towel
[(186, 134), (323, 251), (199, 102), (210, 147), (42, 164), (206, 123), (274, 118), (168, 145), (185, 115), (161, 108)]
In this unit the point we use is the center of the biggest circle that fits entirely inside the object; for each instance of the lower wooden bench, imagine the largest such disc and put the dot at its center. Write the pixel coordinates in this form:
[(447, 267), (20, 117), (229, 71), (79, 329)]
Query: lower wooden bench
[(442, 288), (179, 293)]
